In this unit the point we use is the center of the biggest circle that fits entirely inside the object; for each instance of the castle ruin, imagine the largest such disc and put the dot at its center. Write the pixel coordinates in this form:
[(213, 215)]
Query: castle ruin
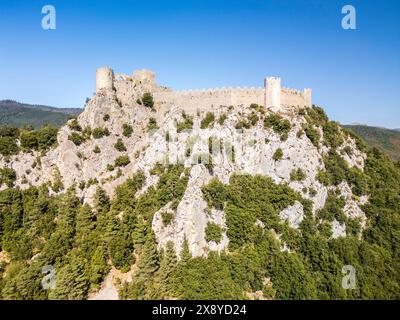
[(129, 88)]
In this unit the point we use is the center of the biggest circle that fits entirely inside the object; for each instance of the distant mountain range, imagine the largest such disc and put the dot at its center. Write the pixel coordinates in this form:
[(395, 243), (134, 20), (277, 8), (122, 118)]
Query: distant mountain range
[(384, 139), (18, 114)]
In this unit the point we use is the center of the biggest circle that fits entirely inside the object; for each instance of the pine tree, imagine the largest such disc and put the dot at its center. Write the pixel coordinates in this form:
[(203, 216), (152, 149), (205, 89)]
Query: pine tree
[(71, 282), (98, 265), (23, 282), (139, 234), (68, 207), (185, 251), (102, 201), (148, 262), (164, 277), (120, 249), (85, 222)]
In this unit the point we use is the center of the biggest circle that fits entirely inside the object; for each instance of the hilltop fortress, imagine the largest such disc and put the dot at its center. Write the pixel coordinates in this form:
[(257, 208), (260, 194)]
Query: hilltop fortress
[(129, 88)]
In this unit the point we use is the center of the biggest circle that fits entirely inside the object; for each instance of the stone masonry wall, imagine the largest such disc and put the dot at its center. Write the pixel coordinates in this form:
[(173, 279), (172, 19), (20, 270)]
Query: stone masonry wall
[(130, 88)]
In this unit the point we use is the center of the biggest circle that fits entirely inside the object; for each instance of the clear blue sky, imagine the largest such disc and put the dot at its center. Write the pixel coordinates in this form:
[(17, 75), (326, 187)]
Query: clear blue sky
[(354, 74)]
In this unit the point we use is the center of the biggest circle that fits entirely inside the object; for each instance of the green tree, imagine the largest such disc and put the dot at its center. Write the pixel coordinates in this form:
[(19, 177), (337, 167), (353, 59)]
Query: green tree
[(165, 274), (213, 232), (71, 282), (98, 265)]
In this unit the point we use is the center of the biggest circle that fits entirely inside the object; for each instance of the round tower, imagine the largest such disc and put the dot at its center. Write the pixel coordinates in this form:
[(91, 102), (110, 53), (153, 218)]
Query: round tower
[(273, 93), (104, 79), (307, 97)]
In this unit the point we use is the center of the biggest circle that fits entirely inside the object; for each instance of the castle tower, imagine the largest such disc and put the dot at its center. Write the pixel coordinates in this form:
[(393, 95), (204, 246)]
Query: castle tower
[(146, 78), (104, 79), (273, 93), (307, 97)]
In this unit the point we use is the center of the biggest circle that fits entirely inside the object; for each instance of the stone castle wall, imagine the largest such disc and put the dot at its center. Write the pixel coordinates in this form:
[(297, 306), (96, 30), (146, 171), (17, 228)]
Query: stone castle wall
[(292, 97), (208, 100), (129, 88)]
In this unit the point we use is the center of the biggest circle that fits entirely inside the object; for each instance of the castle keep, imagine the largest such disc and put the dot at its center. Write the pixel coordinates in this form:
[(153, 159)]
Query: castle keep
[(129, 88)]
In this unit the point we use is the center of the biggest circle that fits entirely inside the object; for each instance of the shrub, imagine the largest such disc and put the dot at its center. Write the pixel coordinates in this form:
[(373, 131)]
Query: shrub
[(243, 123), (322, 177), (127, 130), (297, 175), (76, 138), (186, 124), (253, 118), (222, 118), (57, 185), (333, 208), (215, 194), (122, 161), (7, 131), (119, 145), (280, 125), (91, 182), (213, 232), (29, 140), (278, 154), (74, 125), (87, 132), (152, 125), (147, 100), (312, 134), (166, 218), (8, 176), (332, 135), (106, 117), (312, 192), (42, 139), (353, 227), (96, 149), (208, 120), (98, 133), (317, 116), (8, 146), (336, 168)]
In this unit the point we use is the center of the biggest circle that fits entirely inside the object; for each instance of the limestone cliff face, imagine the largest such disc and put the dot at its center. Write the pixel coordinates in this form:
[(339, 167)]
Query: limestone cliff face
[(254, 147)]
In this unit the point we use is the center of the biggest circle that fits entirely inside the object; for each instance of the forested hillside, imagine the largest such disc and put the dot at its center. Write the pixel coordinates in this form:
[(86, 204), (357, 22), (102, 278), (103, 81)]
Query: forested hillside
[(17, 114), (266, 256), (384, 139)]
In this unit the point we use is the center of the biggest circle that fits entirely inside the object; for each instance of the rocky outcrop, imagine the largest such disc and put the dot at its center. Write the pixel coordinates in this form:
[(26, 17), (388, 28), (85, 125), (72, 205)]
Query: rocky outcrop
[(254, 149)]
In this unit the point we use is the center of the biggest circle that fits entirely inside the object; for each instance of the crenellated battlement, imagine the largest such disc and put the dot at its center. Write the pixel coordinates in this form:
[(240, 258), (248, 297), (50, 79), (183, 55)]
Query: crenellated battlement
[(221, 89), (129, 88)]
